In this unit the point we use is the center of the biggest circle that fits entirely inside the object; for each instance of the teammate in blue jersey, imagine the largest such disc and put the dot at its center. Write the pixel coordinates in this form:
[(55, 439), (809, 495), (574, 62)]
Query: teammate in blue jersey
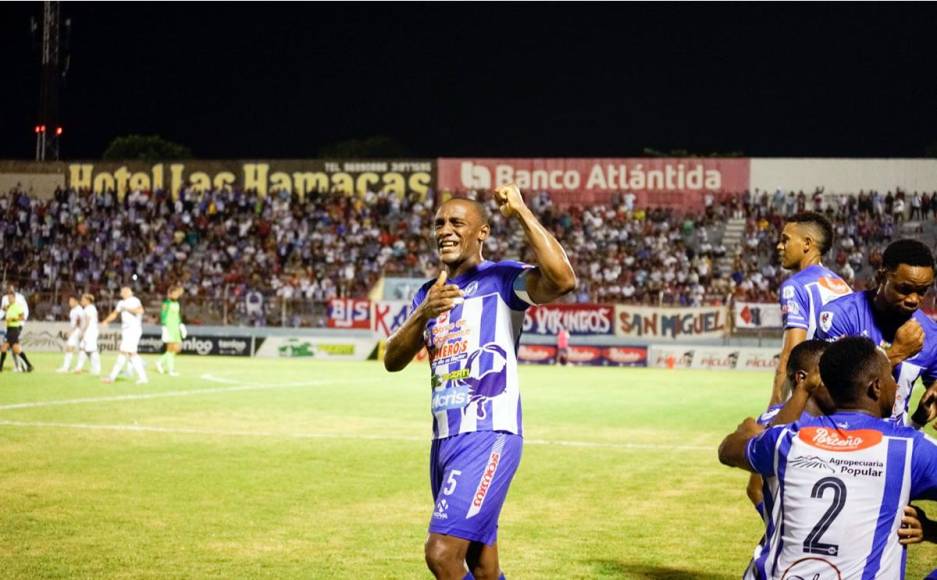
[(805, 239), (838, 482), (470, 320), (889, 315)]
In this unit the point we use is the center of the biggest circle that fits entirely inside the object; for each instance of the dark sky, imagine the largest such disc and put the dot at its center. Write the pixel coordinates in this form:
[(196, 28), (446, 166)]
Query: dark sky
[(235, 80)]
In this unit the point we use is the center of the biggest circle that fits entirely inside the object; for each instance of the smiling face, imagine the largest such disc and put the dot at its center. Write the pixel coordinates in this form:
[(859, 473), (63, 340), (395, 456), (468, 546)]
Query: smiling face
[(460, 230), (901, 291)]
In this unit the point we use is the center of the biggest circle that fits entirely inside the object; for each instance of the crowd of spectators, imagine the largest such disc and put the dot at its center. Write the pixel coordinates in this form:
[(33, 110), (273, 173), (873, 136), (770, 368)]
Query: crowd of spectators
[(248, 256)]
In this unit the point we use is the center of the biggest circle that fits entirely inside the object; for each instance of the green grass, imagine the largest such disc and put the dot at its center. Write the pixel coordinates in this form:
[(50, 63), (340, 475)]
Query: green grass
[(302, 469)]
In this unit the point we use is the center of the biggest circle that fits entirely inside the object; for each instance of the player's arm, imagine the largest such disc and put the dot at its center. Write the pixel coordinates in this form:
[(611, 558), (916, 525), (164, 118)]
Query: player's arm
[(407, 340), (110, 317), (164, 312), (732, 451), (926, 408), (553, 275), (792, 337), (794, 407)]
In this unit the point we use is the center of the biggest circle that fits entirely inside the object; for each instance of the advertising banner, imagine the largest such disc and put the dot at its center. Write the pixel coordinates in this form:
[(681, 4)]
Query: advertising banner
[(673, 182), (713, 358), (578, 319), (316, 347), (300, 176), (672, 324), (350, 313), (388, 316), (42, 336), (204, 345), (623, 356), (757, 315)]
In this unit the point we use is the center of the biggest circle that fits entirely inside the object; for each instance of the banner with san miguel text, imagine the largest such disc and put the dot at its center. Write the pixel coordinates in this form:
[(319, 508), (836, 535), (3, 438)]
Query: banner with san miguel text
[(578, 319), (672, 182), (670, 324), (299, 176), (757, 315)]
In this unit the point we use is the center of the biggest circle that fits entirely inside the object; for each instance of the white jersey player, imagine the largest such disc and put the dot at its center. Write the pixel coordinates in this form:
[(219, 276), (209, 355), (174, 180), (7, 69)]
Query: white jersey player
[(76, 316), (130, 311), (838, 483), (88, 347)]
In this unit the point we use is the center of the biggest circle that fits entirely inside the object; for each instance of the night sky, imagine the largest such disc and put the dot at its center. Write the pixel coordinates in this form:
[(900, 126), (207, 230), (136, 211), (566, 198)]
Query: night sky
[(266, 80)]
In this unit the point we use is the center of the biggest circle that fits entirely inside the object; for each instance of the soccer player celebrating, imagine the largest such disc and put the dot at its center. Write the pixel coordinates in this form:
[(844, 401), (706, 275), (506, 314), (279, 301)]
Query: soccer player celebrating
[(130, 311), (15, 315), (76, 315), (89, 336), (890, 316), (173, 331), (470, 321), (839, 482)]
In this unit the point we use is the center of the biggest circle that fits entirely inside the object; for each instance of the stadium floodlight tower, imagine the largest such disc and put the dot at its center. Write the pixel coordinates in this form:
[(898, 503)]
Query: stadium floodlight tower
[(52, 72)]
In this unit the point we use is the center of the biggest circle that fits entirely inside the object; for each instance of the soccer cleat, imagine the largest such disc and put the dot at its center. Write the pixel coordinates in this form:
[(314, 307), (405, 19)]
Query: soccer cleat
[(159, 368)]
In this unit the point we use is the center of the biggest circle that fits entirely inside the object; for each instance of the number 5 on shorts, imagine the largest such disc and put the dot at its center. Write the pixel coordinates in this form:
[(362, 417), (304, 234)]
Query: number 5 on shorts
[(451, 482)]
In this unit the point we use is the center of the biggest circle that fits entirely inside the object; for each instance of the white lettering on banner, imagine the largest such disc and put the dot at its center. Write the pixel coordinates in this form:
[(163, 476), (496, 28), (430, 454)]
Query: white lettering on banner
[(577, 320), (672, 176), (713, 358)]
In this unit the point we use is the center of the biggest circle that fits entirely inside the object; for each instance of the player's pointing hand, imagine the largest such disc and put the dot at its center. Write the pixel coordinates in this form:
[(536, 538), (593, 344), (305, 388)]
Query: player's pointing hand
[(509, 199), (442, 297)]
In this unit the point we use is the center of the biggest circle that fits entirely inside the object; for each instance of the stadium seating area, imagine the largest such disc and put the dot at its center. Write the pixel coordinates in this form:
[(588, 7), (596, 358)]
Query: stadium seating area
[(245, 259)]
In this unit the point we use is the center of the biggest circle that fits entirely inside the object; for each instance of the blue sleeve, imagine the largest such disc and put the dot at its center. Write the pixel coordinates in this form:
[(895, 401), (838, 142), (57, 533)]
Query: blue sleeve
[(834, 323), (924, 468), (513, 285), (795, 305), (760, 450), (929, 373)]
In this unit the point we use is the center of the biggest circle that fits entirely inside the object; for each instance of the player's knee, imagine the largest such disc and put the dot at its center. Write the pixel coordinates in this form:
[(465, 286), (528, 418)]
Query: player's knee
[(440, 556)]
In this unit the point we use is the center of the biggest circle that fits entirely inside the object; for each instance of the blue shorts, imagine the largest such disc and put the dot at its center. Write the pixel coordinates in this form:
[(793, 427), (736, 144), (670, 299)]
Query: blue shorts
[(470, 475)]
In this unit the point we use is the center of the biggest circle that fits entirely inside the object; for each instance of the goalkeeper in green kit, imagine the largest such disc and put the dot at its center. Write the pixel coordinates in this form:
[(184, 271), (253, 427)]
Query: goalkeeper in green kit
[(174, 332)]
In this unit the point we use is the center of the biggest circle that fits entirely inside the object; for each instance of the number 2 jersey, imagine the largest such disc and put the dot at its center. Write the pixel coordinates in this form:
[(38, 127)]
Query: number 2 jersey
[(837, 486), (473, 352)]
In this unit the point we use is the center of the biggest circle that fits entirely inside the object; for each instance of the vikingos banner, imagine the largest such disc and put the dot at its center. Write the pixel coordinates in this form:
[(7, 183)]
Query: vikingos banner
[(578, 319), (757, 315), (654, 181), (671, 324), (713, 358), (299, 176)]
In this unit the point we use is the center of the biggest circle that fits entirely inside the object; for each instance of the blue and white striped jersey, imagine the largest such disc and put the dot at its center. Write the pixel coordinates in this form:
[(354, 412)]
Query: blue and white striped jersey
[(473, 352), (804, 293), (838, 485)]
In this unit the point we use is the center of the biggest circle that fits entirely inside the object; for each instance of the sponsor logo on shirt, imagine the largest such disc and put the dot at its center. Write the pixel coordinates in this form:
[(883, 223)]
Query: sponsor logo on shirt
[(451, 398), (839, 440), (811, 462), (826, 321), (834, 285), (481, 492)]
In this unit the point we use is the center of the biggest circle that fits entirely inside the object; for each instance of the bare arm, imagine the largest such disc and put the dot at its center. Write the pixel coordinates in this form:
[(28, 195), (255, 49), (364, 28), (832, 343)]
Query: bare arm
[(110, 318), (554, 276), (732, 449), (792, 337), (407, 340)]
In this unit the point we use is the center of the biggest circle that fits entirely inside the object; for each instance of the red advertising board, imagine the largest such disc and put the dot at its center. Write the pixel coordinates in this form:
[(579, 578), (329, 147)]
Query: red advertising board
[(578, 319), (625, 356), (350, 313), (669, 182)]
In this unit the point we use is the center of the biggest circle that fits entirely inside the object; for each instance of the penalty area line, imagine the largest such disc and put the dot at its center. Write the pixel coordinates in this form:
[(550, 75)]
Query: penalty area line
[(136, 428)]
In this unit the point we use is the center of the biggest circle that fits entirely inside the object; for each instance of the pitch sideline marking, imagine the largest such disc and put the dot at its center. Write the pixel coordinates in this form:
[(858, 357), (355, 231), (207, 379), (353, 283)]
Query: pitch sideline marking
[(235, 386), (315, 435)]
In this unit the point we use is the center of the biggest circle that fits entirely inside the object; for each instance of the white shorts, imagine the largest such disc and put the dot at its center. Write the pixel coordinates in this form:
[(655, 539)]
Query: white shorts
[(74, 339), (89, 342), (130, 340)]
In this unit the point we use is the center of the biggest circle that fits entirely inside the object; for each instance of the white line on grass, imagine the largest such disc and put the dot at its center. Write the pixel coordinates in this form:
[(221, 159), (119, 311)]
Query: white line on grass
[(157, 395), (315, 435)]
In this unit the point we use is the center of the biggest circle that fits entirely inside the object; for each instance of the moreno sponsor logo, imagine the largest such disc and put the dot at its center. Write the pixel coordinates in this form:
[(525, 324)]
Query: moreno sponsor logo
[(839, 439), (451, 349)]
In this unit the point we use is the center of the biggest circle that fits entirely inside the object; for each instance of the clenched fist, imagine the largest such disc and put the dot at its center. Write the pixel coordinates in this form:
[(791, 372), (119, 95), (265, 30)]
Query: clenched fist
[(909, 340), (509, 199)]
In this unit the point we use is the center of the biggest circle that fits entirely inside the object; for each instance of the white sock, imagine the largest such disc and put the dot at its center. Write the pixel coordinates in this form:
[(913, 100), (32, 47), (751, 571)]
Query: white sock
[(137, 363), (68, 360), (95, 363), (82, 357), (121, 361)]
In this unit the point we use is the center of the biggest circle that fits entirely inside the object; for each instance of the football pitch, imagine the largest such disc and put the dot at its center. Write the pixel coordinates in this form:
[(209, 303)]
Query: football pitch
[(254, 468)]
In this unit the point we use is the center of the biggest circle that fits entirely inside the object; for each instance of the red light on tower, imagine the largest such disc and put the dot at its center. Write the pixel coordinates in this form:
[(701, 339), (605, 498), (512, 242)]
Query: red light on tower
[(37, 129), (42, 128), (58, 131)]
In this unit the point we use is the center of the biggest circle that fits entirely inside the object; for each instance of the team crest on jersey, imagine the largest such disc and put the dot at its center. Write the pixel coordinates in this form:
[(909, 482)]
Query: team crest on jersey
[(826, 321), (471, 288), (839, 440)]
